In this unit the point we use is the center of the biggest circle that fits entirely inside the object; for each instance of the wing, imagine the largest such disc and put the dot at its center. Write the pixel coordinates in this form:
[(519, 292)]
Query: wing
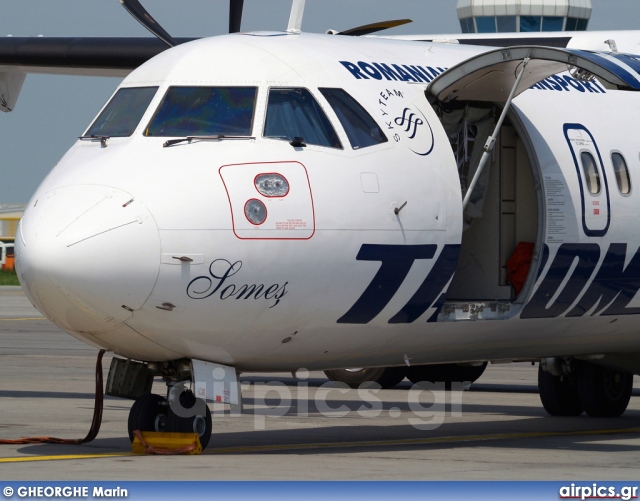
[(70, 56)]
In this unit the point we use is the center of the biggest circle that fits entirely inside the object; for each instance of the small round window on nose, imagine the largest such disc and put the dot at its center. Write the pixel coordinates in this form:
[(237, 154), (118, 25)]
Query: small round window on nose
[(272, 185), (255, 211)]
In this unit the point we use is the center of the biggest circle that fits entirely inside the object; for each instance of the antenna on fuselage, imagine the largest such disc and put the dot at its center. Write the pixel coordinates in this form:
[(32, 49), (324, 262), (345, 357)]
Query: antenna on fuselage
[(295, 19)]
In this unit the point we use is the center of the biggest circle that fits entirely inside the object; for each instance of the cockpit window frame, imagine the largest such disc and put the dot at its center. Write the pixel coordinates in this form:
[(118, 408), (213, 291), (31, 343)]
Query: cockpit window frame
[(340, 145), (109, 133), (161, 101), (347, 124)]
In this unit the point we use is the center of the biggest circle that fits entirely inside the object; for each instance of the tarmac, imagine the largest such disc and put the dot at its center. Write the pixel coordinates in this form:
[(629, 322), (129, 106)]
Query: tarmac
[(300, 428)]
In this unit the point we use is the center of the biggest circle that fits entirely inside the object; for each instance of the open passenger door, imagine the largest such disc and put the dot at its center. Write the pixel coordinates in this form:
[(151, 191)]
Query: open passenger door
[(492, 75), (465, 94)]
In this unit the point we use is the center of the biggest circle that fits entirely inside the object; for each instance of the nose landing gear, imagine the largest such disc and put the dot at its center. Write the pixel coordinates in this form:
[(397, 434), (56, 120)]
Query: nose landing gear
[(187, 414)]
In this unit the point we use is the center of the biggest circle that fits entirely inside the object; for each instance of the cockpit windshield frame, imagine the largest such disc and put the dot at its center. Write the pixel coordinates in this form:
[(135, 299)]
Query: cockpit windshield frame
[(293, 113), (204, 110), (123, 112)]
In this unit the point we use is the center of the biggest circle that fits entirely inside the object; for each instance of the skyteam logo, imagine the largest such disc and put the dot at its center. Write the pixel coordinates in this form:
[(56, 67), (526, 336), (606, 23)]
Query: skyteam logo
[(411, 120), (405, 123)]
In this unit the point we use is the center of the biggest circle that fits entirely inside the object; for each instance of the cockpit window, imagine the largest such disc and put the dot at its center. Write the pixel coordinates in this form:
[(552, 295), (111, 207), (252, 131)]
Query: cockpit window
[(361, 129), (295, 113), (204, 111), (123, 113)]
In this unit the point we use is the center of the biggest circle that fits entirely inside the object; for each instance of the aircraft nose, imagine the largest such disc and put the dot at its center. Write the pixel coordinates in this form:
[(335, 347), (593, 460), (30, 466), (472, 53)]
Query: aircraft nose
[(87, 256)]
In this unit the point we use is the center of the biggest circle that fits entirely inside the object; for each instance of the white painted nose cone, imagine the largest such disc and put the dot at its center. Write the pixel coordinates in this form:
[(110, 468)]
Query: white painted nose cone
[(88, 256)]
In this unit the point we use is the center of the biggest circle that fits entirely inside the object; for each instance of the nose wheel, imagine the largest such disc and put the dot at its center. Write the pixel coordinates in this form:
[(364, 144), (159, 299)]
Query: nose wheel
[(189, 414), (148, 413), (192, 415)]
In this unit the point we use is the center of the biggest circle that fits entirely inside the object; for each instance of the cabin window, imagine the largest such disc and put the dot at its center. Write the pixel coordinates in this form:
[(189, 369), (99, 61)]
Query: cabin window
[(591, 173), (123, 113), (361, 129), (622, 173), (295, 113), (204, 111)]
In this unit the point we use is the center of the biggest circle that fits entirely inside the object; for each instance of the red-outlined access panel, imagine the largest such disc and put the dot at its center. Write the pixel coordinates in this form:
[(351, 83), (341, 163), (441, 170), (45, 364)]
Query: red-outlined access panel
[(289, 217)]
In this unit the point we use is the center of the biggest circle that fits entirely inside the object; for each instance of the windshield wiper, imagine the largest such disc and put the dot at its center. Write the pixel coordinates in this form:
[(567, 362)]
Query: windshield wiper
[(189, 139), (103, 139)]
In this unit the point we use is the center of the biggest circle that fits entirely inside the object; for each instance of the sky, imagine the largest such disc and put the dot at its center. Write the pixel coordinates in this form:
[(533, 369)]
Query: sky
[(53, 111)]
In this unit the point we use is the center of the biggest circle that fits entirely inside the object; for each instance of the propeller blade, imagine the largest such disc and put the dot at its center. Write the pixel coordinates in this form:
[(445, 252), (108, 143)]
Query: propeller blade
[(372, 28), (235, 15), (144, 18)]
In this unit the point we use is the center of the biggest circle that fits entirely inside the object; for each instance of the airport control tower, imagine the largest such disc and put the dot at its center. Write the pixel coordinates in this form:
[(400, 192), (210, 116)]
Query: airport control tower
[(501, 16)]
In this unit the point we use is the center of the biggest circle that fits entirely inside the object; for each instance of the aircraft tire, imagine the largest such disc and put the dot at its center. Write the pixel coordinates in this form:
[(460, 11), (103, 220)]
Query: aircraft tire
[(386, 377), (198, 424), (559, 396), (445, 373), (604, 392), (148, 413)]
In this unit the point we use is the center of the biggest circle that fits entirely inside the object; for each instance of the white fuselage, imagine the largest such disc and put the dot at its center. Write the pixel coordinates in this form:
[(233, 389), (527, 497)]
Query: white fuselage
[(342, 273)]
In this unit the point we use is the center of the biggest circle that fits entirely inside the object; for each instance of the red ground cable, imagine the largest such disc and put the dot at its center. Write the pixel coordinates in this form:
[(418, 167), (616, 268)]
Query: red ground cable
[(95, 424)]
